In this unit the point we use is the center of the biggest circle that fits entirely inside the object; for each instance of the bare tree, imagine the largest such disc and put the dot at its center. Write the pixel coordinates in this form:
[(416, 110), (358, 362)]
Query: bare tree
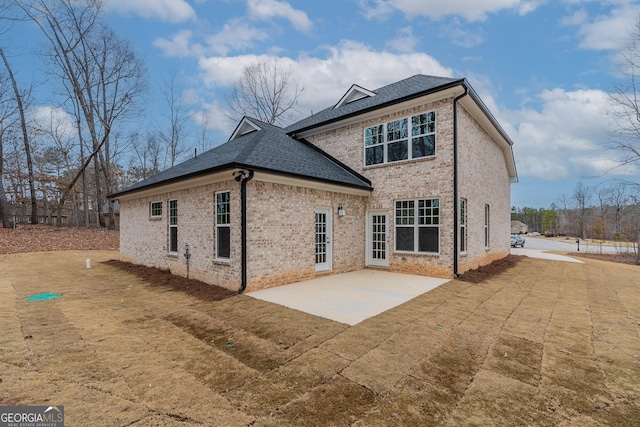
[(19, 99), (7, 110), (267, 91), (626, 106), (174, 137), (99, 71), (581, 195)]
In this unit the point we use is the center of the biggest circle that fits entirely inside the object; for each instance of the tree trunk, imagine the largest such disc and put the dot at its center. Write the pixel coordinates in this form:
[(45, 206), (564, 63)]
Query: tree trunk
[(25, 137), (6, 216)]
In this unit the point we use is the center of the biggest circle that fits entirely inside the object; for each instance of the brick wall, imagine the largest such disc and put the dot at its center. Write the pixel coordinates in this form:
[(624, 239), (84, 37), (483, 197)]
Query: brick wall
[(145, 241)]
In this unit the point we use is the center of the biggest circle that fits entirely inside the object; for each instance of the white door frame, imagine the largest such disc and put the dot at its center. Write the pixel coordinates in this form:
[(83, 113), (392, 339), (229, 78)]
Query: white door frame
[(323, 239), (379, 258)]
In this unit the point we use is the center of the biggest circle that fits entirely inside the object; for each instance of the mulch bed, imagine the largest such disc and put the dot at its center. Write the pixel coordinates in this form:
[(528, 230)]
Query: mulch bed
[(488, 271), (164, 278)]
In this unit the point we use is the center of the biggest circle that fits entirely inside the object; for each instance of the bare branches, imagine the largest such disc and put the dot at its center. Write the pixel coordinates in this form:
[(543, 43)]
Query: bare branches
[(267, 91)]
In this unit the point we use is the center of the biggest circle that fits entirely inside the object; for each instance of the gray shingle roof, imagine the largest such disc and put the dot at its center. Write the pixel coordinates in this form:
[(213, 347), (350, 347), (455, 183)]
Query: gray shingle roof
[(269, 150), (411, 87)]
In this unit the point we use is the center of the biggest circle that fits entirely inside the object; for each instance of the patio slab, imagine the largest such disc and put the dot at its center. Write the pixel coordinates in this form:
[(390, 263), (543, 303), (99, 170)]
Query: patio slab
[(350, 297)]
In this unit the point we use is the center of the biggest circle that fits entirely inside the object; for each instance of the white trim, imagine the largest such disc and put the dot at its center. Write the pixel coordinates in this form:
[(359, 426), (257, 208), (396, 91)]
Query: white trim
[(354, 93), (416, 227), (327, 264), (170, 226), (371, 261), (409, 139), (216, 225), (151, 215), (244, 127), (227, 175)]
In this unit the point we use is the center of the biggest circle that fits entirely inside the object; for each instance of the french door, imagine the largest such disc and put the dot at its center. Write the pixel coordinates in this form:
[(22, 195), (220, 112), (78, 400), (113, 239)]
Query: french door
[(323, 240), (377, 245)]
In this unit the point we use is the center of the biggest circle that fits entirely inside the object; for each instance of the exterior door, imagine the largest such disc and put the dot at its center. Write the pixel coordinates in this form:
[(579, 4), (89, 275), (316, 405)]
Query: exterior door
[(377, 246), (323, 240)]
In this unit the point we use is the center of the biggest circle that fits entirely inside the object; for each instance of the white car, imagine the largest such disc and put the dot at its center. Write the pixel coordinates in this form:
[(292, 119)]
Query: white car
[(517, 241)]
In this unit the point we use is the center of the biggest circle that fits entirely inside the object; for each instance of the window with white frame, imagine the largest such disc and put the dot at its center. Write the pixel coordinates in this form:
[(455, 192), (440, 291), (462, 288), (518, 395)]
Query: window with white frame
[(173, 226), (417, 225), (155, 210), (486, 226), (403, 139), (223, 225), (463, 225)]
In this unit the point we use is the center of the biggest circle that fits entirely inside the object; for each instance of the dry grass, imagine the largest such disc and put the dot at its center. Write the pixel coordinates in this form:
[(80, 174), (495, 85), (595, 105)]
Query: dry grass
[(543, 343)]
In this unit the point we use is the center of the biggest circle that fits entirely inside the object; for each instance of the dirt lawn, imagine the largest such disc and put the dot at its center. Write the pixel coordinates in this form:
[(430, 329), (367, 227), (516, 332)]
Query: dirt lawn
[(544, 343)]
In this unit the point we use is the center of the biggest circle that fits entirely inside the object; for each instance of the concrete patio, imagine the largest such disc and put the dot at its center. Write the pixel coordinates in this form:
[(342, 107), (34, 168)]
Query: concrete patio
[(350, 297)]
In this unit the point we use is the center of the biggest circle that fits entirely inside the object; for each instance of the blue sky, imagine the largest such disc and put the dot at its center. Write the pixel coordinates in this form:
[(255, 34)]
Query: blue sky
[(543, 67)]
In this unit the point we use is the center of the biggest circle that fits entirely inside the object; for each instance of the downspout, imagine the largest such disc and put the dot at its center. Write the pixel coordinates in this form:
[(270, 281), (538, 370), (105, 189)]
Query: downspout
[(245, 177), (456, 228)]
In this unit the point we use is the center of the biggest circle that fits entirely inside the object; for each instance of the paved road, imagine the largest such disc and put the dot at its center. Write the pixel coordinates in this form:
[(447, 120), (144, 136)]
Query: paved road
[(554, 245)]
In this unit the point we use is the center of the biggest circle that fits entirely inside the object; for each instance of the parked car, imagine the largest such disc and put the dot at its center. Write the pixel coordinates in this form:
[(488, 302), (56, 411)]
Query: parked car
[(517, 241)]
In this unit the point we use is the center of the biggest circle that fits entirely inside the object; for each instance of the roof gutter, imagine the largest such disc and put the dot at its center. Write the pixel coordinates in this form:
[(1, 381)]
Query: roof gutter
[(243, 177), (456, 229)]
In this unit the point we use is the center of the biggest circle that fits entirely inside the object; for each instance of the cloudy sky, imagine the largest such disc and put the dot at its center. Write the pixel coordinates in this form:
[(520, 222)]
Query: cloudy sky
[(543, 67)]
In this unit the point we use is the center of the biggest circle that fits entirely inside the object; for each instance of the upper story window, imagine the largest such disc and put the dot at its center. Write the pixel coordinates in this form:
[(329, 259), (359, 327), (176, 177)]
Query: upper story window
[(403, 139)]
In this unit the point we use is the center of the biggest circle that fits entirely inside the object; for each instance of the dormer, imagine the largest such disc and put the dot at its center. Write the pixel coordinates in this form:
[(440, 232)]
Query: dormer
[(245, 126), (353, 94)]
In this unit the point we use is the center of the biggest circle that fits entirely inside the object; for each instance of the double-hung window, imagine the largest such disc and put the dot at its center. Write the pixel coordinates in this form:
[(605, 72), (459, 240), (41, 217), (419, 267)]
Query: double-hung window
[(463, 225), (486, 226), (223, 225), (173, 226), (403, 139), (417, 225)]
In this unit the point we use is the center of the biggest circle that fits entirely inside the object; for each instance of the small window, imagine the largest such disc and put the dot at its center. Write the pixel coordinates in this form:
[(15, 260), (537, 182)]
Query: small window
[(463, 225), (173, 226), (223, 225), (486, 226), (155, 210), (418, 225)]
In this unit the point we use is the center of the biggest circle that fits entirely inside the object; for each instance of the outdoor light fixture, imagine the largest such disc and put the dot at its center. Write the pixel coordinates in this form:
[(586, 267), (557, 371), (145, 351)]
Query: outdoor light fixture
[(341, 211)]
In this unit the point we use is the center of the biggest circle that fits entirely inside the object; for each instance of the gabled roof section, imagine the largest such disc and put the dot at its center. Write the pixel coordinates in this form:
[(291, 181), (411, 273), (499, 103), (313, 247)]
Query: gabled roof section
[(353, 94), (404, 90), (269, 150), (245, 126)]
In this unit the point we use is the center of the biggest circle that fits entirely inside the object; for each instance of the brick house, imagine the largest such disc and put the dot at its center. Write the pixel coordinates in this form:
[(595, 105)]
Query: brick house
[(413, 177)]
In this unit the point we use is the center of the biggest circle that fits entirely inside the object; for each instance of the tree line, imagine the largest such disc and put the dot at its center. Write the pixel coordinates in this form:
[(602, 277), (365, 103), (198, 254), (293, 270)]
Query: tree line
[(602, 212), (60, 165)]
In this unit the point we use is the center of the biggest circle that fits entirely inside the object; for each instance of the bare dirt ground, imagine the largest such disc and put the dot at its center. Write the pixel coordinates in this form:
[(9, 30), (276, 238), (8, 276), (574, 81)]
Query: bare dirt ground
[(540, 343)]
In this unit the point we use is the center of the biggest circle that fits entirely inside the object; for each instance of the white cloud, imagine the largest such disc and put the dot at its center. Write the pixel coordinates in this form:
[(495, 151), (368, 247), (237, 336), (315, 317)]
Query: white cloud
[(235, 35), (564, 137), (327, 79), (405, 41), (164, 10), (55, 121), (268, 9), (471, 10), (179, 45), (604, 32)]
